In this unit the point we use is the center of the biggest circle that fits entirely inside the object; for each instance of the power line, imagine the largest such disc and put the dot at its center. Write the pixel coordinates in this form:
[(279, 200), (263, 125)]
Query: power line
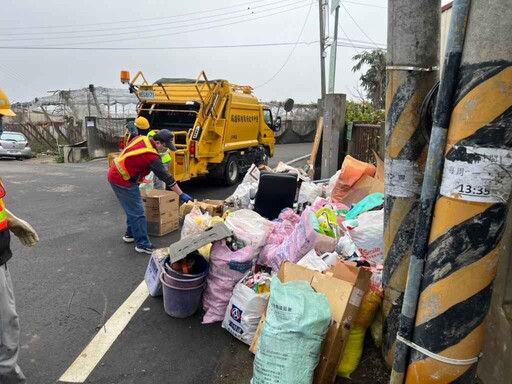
[(15, 76), (358, 26), (157, 48), (138, 29), (291, 52), (182, 32), (365, 4), (134, 20), (348, 38)]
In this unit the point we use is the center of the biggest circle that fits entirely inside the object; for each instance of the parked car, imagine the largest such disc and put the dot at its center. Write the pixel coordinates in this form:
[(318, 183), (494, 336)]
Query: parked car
[(14, 144)]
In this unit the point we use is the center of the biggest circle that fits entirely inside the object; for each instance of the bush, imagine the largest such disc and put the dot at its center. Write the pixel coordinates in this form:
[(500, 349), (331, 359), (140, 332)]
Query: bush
[(364, 112)]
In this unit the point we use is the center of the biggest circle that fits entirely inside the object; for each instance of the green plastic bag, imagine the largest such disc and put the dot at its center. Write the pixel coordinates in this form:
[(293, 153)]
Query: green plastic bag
[(291, 339), (367, 204)]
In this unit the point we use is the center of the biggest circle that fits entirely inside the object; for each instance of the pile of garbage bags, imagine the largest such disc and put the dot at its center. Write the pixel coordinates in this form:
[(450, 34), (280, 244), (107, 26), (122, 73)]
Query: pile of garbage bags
[(336, 222)]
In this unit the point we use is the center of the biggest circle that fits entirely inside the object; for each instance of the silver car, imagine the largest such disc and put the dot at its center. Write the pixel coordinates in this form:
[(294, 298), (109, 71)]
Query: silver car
[(14, 144)]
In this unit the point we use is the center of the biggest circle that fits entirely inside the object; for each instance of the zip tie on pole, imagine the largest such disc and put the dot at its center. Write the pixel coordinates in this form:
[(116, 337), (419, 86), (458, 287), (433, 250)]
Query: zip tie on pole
[(437, 357), (411, 68)]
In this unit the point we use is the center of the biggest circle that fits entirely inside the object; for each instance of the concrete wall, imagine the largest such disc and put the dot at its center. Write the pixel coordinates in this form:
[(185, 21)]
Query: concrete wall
[(496, 364)]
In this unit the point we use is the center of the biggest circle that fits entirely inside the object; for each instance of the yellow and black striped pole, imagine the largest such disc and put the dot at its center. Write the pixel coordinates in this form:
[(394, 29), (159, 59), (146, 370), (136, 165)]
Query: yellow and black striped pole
[(470, 213), (412, 60)]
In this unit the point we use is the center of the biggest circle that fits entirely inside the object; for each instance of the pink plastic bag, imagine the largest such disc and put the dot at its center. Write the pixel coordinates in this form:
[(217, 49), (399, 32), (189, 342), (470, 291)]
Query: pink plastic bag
[(283, 227), (226, 269), (303, 239)]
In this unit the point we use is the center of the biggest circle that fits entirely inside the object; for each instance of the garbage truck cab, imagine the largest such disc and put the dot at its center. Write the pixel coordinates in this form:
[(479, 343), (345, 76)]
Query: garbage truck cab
[(219, 128)]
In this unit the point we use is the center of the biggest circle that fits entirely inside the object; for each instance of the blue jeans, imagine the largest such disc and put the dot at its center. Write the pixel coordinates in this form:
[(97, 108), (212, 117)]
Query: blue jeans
[(132, 203)]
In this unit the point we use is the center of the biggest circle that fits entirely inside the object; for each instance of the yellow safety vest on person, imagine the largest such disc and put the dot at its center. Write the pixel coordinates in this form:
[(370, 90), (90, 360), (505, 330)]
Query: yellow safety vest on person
[(3, 212), (128, 152), (166, 156)]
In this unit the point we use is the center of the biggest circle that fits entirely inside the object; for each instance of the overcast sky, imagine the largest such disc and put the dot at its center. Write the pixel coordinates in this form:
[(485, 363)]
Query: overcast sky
[(27, 73)]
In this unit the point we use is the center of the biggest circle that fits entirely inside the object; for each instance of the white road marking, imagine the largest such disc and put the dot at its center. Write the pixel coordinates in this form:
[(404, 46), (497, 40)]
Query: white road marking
[(85, 363)]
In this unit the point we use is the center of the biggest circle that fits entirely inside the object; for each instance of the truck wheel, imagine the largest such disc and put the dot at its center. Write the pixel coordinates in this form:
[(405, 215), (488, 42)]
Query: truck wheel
[(232, 171), (266, 155)]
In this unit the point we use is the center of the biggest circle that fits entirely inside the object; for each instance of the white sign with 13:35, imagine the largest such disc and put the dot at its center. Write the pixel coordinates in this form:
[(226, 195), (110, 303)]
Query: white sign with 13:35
[(485, 177)]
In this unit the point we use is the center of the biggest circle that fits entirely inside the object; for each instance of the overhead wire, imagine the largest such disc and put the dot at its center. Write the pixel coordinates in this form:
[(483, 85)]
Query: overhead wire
[(358, 26), (291, 52), (134, 20), (138, 29), (365, 4), (158, 48), (16, 77), (182, 32)]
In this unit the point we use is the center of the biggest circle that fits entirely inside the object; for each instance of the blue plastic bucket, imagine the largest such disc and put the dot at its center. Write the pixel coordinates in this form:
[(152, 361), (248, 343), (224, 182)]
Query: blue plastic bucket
[(181, 302), (182, 280)]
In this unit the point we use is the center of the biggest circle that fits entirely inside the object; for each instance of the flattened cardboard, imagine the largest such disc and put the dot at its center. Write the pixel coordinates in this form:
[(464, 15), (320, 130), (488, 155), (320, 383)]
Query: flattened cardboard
[(180, 249), (344, 298)]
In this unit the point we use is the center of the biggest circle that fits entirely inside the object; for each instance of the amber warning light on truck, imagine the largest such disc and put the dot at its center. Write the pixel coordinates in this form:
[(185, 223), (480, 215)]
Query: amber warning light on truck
[(125, 77)]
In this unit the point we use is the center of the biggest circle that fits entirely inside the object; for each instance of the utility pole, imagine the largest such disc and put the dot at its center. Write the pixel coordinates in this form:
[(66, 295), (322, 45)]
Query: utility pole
[(430, 187), (321, 14), (334, 47), (470, 212), (412, 61)]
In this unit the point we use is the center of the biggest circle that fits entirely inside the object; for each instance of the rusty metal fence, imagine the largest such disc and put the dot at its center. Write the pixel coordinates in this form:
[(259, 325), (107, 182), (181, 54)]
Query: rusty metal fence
[(362, 140)]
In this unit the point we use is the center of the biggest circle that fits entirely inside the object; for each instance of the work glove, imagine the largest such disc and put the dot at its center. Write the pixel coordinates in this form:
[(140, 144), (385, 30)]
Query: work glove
[(186, 198), (22, 230)]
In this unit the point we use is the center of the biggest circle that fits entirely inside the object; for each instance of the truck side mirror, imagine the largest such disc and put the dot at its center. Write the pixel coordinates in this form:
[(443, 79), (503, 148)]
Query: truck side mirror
[(277, 124)]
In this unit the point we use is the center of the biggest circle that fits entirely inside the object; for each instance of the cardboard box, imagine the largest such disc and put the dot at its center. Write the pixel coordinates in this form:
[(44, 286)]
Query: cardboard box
[(161, 211), (161, 229), (213, 207), (344, 285)]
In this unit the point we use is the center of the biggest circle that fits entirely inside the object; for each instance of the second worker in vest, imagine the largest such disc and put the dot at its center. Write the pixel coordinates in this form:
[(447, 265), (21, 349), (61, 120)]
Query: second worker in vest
[(141, 156)]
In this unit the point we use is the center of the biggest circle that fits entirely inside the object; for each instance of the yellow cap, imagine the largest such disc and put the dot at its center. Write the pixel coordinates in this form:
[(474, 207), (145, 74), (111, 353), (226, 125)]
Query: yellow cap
[(141, 123), (5, 105)]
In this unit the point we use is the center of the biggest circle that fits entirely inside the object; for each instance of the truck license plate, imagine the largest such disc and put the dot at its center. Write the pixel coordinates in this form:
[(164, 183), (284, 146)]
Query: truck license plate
[(147, 94)]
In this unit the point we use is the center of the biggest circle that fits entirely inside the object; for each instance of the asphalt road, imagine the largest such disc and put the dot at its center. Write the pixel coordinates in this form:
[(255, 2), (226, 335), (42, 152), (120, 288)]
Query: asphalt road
[(81, 272)]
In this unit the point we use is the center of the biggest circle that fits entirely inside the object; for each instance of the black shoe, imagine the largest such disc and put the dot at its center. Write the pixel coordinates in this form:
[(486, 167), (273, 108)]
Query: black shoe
[(128, 238), (148, 250)]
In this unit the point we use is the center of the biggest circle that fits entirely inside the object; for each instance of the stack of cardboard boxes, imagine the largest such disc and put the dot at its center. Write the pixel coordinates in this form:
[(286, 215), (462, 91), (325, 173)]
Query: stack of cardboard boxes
[(161, 211)]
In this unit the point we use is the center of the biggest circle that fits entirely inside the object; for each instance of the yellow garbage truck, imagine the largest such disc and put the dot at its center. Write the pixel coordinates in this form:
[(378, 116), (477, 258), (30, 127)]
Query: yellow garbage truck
[(219, 128)]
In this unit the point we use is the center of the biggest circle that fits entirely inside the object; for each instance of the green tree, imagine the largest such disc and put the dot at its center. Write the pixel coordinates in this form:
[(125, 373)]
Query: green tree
[(373, 80)]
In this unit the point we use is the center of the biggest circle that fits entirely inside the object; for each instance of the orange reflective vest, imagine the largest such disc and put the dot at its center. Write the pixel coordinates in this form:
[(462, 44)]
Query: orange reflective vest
[(3, 212), (120, 161)]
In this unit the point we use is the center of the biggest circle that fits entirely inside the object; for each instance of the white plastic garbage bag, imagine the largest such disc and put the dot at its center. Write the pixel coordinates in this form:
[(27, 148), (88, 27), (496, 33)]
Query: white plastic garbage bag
[(309, 192), (368, 236), (312, 261), (244, 312), (195, 222), (249, 226)]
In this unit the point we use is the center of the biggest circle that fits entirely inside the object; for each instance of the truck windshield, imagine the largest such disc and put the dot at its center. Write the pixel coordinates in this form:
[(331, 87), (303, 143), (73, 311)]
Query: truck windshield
[(172, 117)]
